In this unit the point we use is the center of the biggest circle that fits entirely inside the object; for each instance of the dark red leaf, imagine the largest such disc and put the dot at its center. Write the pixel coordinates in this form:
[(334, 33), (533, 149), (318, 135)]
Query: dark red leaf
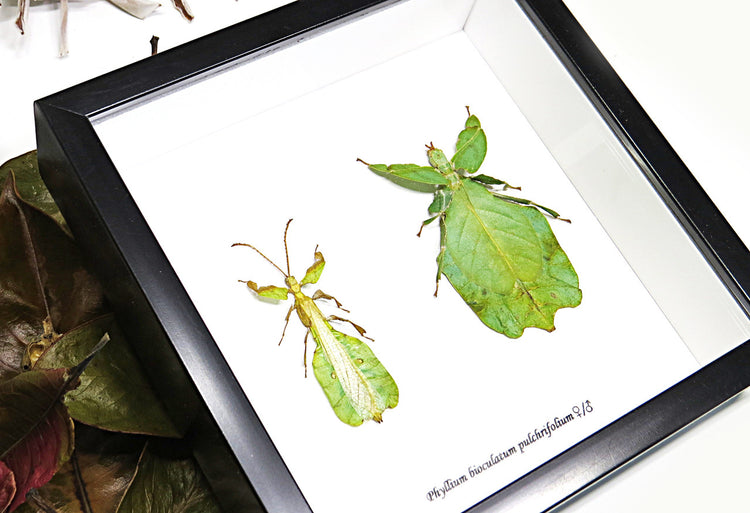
[(7, 487), (105, 466), (36, 433)]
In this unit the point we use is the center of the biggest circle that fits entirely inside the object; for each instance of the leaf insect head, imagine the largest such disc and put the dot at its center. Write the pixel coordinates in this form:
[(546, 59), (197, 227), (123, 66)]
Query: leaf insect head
[(312, 275)]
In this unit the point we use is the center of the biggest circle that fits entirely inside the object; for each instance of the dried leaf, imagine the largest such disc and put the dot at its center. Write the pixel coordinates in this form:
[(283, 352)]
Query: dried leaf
[(184, 8), (64, 28), (105, 466), (23, 5), (31, 187), (138, 8), (42, 279)]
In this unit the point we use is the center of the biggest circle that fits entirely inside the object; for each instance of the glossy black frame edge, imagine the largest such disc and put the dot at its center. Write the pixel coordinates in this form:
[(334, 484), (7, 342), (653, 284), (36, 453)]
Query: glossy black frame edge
[(152, 307), (152, 302)]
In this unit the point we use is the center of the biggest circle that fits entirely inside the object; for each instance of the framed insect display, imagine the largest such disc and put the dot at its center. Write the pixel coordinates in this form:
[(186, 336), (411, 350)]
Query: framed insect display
[(520, 344)]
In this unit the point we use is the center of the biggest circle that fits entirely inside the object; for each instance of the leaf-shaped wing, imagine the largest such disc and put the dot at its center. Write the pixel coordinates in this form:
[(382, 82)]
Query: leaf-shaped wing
[(410, 173), (471, 146), (315, 270), (506, 263), (356, 384)]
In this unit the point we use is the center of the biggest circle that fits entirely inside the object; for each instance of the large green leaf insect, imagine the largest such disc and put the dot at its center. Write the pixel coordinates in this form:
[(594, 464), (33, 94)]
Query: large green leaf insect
[(356, 384), (498, 251)]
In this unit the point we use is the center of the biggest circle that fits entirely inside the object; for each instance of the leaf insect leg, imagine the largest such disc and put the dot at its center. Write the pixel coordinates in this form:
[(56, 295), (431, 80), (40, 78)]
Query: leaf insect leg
[(440, 216), (304, 353), (489, 181), (438, 207), (425, 223), (441, 253), (359, 329), (319, 294), (530, 203), (286, 323)]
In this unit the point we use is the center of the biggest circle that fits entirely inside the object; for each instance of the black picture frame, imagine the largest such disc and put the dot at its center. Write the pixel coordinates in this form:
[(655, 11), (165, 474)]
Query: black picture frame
[(234, 450)]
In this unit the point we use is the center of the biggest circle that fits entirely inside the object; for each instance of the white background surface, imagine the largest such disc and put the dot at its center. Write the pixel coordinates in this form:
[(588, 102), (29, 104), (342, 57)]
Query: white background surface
[(705, 469)]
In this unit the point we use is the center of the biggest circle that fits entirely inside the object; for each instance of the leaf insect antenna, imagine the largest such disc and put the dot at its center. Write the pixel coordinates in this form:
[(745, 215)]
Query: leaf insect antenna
[(286, 250), (261, 254)]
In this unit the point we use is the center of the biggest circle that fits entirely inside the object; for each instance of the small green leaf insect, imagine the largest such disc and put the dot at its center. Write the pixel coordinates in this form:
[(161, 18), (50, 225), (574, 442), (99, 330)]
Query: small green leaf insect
[(357, 385), (498, 251)]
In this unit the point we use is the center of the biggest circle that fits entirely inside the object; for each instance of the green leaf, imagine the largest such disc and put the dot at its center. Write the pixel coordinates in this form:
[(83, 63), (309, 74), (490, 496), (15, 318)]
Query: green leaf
[(471, 146), (505, 262), (114, 393), (366, 390), (168, 483), (31, 187)]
